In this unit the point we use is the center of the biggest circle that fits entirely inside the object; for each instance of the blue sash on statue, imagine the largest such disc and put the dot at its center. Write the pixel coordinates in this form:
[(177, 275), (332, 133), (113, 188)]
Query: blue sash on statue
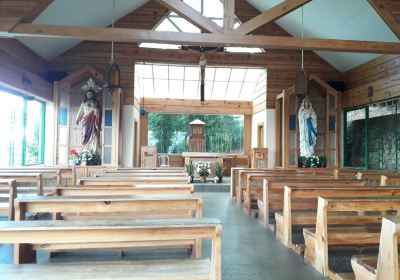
[(311, 132)]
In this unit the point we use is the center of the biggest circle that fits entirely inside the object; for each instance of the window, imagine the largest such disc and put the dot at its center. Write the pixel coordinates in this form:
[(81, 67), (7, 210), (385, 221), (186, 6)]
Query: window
[(183, 82), (212, 9), (170, 132), (372, 136), (22, 125)]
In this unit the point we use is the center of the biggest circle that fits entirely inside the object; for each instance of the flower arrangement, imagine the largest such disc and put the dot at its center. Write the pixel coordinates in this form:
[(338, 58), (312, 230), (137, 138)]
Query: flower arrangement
[(315, 161), (73, 155), (219, 170), (189, 169), (90, 158), (203, 168)]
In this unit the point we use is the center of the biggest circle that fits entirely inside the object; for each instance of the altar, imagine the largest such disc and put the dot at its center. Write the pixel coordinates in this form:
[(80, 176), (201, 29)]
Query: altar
[(198, 156)]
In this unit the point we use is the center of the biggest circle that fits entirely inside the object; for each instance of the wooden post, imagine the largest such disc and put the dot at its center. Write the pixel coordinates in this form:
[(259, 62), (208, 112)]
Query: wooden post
[(388, 265), (321, 238), (216, 254)]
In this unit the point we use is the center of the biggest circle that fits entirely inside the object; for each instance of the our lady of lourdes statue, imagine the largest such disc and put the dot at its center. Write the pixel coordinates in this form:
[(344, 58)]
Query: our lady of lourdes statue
[(90, 115), (307, 128)]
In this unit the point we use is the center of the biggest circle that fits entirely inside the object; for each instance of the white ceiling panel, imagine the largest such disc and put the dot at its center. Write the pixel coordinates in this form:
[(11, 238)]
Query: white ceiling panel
[(335, 19), (94, 13)]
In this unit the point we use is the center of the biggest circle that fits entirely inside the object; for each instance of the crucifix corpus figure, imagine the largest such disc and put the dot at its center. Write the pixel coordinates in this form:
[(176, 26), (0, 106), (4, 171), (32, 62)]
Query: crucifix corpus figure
[(307, 128), (90, 115)]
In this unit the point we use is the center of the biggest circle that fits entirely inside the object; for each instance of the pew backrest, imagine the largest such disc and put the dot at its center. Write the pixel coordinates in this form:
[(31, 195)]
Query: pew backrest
[(26, 178)]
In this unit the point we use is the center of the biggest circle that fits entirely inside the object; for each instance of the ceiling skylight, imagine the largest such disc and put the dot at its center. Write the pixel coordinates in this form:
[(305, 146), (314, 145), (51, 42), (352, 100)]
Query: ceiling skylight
[(183, 82), (212, 9)]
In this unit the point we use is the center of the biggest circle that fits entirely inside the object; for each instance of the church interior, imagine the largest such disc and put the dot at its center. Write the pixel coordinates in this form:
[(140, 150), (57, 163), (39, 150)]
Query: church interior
[(199, 139)]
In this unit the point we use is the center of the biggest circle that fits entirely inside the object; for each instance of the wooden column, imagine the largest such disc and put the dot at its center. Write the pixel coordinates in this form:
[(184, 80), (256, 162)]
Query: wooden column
[(144, 129), (247, 134), (116, 126)]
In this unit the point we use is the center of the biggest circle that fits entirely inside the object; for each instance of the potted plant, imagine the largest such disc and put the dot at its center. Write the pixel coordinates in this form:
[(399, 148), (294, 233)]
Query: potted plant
[(219, 170), (95, 159), (85, 157), (189, 169), (203, 168), (73, 157)]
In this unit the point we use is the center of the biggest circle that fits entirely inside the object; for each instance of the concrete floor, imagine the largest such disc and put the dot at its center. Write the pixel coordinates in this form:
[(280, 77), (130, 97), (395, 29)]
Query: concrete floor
[(249, 251)]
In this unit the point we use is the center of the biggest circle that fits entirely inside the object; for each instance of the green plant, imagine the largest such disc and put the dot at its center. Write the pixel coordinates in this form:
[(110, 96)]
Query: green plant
[(315, 161), (219, 170), (189, 168)]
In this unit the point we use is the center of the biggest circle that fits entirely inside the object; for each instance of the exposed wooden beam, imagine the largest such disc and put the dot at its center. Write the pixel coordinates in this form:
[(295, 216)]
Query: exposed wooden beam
[(29, 17), (191, 15), (229, 15), (138, 35), (189, 106), (383, 11), (270, 15)]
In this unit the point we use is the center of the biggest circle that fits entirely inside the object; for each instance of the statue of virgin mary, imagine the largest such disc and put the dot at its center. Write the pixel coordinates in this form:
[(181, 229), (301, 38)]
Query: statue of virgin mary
[(307, 128)]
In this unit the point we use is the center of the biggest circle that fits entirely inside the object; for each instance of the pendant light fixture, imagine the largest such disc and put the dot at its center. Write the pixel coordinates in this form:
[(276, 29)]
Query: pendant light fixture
[(112, 72), (301, 83)]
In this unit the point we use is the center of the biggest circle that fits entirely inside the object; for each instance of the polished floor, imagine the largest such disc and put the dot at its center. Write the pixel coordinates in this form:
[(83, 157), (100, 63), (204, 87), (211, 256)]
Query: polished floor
[(249, 251)]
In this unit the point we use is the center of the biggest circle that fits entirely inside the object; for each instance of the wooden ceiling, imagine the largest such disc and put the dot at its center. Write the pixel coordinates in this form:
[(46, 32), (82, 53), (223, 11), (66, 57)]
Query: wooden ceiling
[(282, 65)]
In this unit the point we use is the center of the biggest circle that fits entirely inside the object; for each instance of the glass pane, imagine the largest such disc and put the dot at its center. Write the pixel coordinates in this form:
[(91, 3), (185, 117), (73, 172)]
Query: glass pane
[(219, 90), (33, 132), (233, 90), (176, 72), (355, 138), (166, 25), (184, 25), (238, 75), (161, 88), (159, 46), (210, 74), (195, 4), (248, 90), (160, 71), (243, 50), (176, 88), (213, 8), (253, 75), (148, 88), (192, 73), (170, 132), (191, 89), (11, 107), (222, 74), (382, 135)]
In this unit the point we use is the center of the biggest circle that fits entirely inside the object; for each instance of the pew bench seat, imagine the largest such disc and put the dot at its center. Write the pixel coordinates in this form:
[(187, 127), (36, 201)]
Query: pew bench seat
[(364, 267), (195, 269)]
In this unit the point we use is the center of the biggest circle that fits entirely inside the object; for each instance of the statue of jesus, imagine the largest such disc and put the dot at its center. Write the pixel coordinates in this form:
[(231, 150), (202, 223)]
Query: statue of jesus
[(307, 128), (90, 115)]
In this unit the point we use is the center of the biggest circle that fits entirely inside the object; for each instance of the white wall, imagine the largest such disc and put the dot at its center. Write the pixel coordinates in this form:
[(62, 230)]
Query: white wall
[(268, 118), (270, 137), (50, 124), (260, 117), (127, 148)]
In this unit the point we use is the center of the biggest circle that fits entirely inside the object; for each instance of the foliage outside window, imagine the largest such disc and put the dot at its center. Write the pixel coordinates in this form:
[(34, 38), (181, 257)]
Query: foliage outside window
[(22, 124), (170, 132), (372, 134)]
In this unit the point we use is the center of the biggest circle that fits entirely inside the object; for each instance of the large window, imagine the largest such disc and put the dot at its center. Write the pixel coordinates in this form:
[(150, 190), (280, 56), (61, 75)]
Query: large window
[(372, 135), (170, 132), (22, 126)]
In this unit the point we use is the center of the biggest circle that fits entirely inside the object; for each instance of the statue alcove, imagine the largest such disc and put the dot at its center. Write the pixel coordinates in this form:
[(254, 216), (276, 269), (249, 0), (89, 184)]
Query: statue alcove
[(326, 103), (68, 96)]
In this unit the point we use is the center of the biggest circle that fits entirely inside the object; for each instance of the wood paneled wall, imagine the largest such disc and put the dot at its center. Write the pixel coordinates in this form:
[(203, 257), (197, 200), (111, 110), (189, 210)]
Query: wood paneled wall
[(21, 69), (382, 74), (281, 65)]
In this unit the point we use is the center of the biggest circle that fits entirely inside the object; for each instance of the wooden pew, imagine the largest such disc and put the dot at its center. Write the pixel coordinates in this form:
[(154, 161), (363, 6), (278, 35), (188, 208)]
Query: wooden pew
[(109, 232), (112, 208), (386, 265), (243, 176), (83, 190), (8, 189), (145, 170), (273, 193), (131, 181), (62, 174), (374, 176), (254, 185), (26, 178), (140, 174), (362, 233), (294, 215), (390, 180), (235, 179)]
